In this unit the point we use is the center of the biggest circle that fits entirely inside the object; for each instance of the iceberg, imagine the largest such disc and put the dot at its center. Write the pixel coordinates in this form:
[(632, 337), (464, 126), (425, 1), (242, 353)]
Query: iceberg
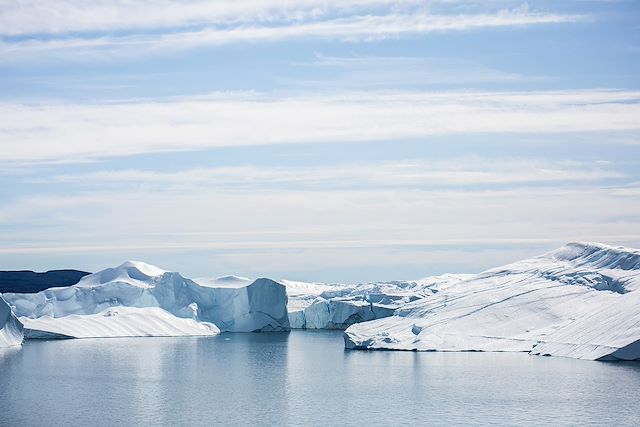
[(10, 328), (610, 333), (301, 295), (236, 306), (338, 306), (117, 322), (581, 300)]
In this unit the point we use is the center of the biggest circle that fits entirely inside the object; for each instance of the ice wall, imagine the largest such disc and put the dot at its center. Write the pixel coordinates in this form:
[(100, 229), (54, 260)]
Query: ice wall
[(10, 328), (338, 306)]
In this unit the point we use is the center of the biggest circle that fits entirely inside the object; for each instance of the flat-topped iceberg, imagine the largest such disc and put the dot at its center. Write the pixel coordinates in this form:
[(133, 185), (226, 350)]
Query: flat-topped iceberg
[(260, 305), (235, 306), (581, 301), (117, 322), (10, 327)]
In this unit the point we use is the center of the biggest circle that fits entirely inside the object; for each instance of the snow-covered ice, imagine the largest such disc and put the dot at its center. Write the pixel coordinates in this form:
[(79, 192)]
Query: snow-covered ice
[(10, 327), (611, 332), (234, 305), (223, 282), (338, 306), (117, 322), (581, 301), (260, 305)]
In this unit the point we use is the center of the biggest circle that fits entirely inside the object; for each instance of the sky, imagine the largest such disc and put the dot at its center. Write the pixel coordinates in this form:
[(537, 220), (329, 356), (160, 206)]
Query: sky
[(340, 141)]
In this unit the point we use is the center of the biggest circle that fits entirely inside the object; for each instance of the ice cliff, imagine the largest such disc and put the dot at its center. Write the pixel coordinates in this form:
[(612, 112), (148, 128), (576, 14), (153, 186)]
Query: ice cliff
[(338, 306), (260, 305), (10, 327), (581, 301)]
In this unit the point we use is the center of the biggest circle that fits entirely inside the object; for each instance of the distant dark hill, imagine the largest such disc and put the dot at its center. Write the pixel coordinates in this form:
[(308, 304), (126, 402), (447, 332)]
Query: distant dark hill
[(29, 281)]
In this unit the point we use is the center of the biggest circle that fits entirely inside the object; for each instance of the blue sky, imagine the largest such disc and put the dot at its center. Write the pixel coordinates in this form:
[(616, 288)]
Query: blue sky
[(326, 140)]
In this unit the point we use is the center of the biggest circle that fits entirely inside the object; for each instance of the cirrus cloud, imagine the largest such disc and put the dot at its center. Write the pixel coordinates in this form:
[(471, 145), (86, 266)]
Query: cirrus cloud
[(45, 132)]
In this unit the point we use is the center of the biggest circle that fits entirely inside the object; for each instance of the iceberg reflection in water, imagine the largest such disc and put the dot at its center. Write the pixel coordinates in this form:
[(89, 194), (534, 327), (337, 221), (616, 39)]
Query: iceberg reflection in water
[(301, 378)]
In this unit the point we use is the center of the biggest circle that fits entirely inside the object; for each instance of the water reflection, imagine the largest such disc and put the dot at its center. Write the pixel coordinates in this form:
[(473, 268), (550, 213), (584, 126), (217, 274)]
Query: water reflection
[(246, 370), (302, 378)]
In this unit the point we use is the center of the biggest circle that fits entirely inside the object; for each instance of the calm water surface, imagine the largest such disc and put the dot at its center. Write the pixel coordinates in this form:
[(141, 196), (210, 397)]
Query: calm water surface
[(302, 378)]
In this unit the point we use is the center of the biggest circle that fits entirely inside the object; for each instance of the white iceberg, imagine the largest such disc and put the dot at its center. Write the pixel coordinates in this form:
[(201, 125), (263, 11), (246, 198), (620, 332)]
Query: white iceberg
[(117, 322), (10, 327), (301, 295), (338, 306), (581, 301), (241, 306), (609, 333), (235, 306)]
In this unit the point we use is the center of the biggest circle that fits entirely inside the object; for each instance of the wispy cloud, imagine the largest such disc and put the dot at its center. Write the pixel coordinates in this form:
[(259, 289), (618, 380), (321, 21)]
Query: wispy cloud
[(408, 174), (250, 219), (77, 132), (347, 28), (66, 16), (81, 177), (210, 219), (33, 17), (401, 71)]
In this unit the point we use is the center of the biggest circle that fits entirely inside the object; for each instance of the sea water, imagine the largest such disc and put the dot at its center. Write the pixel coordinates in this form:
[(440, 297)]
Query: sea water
[(302, 379)]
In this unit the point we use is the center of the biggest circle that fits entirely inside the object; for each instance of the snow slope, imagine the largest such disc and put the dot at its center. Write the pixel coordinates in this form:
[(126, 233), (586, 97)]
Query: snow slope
[(611, 332), (223, 282), (10, 327), (256, 306), (117, 322), (581, 301), (338, 306)]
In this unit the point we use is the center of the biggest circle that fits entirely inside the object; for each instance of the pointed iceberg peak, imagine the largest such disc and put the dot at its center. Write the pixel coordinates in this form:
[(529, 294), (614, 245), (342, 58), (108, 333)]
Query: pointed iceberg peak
[(111, 302), (143, 267), (136, 273)]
